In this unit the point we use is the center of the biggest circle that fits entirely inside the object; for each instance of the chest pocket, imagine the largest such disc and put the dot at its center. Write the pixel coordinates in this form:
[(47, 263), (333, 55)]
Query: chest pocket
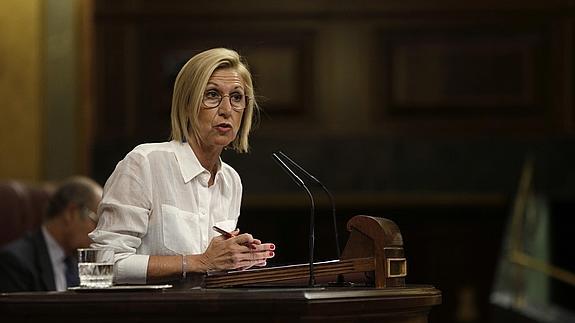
[(180, 230)]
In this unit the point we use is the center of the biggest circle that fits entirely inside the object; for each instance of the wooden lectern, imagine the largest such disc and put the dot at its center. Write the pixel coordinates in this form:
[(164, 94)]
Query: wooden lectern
[(374, 250), (374, 247)]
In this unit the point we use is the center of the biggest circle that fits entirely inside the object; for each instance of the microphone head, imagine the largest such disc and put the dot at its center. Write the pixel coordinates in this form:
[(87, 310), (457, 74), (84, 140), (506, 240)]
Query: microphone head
[(298, 166), (288, 170)]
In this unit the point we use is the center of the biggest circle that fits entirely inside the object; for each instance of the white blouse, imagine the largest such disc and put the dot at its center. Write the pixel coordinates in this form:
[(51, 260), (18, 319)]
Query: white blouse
[(157, 202)]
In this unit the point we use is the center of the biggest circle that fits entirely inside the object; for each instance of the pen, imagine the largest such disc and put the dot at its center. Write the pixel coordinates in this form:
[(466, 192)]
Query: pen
[(228, 235), (223, 232)]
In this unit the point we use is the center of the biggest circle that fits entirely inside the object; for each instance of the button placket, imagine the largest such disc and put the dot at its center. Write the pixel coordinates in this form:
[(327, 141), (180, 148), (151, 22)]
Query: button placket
[(203, 207)]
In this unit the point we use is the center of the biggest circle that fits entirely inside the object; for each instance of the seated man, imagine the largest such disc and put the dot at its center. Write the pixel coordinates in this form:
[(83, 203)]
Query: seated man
[(45, 260)]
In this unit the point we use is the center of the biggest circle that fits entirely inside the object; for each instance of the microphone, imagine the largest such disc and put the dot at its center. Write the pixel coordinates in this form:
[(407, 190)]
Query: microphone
[(331, 201), (340, 279), (301, 184)]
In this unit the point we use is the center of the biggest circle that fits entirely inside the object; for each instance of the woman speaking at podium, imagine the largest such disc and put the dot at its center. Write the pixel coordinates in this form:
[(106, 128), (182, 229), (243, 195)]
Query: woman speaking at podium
[(163, 199)]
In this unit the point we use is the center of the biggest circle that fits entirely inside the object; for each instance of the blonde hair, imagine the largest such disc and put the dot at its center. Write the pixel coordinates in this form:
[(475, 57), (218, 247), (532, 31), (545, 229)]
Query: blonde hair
[(189, 90)]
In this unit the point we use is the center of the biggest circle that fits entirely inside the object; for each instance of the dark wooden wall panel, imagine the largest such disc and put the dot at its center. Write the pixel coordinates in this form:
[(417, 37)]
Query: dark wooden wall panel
[(465, 72), (470, 79), (391, 103)]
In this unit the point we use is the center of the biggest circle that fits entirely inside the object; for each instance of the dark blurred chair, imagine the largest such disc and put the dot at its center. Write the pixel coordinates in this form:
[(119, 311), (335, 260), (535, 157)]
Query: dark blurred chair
[(22, 208)]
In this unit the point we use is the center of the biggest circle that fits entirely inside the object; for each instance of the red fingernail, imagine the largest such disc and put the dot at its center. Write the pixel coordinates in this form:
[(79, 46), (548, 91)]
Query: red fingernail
[(271, 253), (272, 247)]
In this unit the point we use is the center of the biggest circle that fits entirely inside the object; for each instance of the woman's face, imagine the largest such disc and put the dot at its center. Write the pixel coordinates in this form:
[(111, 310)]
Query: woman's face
[(219, 126)]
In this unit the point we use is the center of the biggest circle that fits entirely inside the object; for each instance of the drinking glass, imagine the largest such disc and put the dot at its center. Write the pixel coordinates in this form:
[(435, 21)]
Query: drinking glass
[(96, 267)]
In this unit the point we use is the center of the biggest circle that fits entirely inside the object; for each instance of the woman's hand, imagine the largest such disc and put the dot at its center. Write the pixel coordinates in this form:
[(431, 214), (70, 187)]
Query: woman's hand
[(241, 251)]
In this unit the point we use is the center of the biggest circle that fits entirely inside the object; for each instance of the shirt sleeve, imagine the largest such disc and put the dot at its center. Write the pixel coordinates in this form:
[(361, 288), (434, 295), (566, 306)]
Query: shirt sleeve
[(124, 212)]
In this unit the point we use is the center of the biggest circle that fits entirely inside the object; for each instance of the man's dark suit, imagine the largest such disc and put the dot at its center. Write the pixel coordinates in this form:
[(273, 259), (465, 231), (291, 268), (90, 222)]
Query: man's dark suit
[(25, 265)]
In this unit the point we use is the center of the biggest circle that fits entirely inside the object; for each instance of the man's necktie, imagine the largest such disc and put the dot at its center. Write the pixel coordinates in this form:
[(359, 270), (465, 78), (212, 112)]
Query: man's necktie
[(72, 278)]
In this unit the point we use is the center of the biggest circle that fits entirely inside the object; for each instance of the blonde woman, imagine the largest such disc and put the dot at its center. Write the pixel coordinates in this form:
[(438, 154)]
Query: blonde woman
[(162, 200)]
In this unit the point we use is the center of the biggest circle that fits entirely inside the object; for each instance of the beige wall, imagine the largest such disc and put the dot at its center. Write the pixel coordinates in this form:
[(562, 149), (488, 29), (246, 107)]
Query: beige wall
[(60, 89), (20, 89), (41, 119)]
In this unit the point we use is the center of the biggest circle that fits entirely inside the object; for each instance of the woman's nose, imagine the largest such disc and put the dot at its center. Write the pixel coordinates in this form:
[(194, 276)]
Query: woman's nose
[(225, 106)]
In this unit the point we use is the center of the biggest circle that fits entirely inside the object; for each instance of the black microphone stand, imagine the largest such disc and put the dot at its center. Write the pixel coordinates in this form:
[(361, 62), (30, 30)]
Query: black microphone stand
[(340, 279), (301, 184), (331, 201)]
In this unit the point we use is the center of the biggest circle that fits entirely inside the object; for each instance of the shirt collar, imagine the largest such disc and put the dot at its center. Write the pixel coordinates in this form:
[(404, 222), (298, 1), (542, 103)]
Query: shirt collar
[(56, 252), (190, 166)]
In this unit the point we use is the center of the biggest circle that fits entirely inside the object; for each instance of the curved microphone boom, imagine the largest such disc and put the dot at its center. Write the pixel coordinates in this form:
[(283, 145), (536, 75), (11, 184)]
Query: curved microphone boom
[(318, 182), (301, 184)]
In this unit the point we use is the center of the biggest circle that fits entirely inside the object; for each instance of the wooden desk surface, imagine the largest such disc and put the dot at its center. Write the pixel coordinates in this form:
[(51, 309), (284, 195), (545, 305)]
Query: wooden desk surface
[(409, 304)]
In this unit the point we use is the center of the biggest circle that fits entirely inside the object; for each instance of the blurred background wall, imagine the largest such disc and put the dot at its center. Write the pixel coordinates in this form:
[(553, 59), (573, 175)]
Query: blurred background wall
[(20, 58), (45, 80), (422, 112)]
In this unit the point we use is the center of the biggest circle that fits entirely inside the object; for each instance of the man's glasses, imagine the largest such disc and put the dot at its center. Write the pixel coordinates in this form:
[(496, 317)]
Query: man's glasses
[(91, 215), (213, 99)]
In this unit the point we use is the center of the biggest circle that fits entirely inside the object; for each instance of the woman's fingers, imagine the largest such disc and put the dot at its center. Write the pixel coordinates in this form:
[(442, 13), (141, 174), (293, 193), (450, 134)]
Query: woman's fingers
[(247, 240), (241, 251), (243, 239), (255, 259), (266, 246), (262, 263)]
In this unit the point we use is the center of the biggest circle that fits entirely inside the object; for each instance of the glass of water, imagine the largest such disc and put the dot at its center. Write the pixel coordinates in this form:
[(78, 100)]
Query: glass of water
[(96, 267)]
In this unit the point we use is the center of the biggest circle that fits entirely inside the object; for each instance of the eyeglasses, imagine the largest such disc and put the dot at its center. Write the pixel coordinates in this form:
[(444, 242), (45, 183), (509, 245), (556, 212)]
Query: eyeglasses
[(213, 99), (90, 214)]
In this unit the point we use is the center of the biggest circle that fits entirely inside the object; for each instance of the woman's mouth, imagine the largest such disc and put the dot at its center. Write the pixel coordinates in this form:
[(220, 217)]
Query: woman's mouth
[(223, 127)]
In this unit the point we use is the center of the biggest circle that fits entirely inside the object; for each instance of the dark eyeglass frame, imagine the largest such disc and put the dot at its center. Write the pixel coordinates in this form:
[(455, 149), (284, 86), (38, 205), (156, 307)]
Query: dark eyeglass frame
[(90, 214), (232, 104)]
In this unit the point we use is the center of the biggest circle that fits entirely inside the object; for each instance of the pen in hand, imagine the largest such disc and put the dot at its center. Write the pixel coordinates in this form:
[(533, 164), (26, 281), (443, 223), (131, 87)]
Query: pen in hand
[(223, 232), (228, 235), (251, 245)]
